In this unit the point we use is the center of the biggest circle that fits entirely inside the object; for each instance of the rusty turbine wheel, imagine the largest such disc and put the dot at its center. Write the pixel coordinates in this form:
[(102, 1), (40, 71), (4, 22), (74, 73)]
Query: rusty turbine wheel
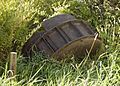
[(66, 35)]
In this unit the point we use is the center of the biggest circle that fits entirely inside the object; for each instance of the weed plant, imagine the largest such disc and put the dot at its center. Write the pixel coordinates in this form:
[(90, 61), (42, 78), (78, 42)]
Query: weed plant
[(40, 71)]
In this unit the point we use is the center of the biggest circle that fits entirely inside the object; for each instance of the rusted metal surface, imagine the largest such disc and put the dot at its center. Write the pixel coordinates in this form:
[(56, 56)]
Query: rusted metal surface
[(30, 42), (78, 48), (64, 36), (57, 20)]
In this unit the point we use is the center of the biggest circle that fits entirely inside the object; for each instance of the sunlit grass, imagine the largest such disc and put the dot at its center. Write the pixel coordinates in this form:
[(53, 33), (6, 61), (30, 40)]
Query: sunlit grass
[(44, 72), (40, 71)]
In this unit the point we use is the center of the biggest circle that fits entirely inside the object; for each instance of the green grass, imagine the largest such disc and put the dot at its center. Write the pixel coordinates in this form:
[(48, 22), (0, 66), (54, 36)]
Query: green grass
[(40, 71)]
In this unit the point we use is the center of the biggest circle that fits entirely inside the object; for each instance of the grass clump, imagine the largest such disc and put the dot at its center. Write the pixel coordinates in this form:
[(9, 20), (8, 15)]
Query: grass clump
[(15, 18), (40, 71)]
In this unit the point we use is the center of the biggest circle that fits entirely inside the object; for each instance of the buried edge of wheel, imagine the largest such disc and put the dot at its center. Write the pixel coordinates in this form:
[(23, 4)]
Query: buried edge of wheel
[(79, 48)]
